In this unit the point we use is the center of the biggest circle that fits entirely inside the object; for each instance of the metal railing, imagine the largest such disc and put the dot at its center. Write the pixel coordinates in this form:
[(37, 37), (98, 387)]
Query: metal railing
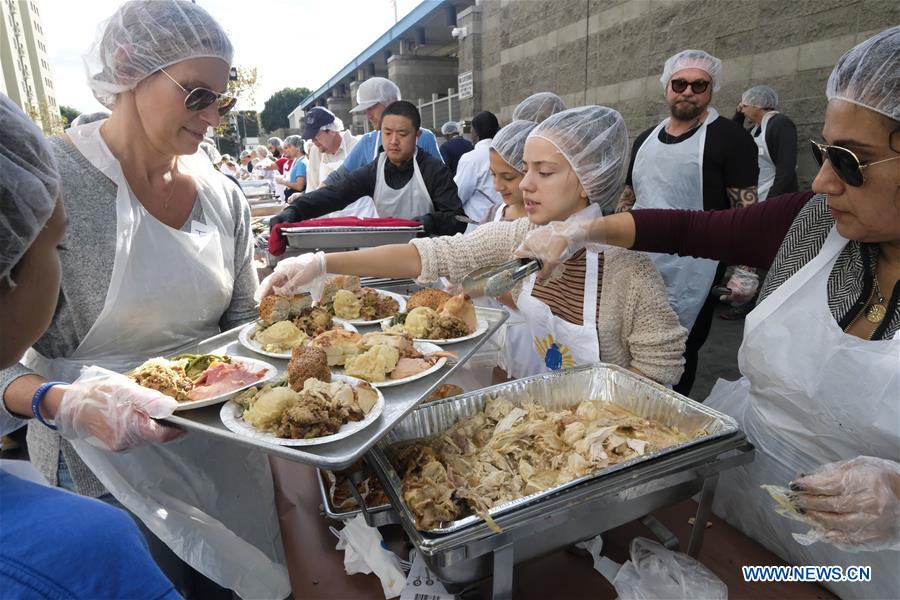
[(439, 110)]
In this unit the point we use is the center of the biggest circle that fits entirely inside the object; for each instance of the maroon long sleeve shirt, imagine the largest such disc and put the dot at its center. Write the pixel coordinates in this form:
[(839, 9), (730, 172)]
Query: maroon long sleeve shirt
[(740, 236)]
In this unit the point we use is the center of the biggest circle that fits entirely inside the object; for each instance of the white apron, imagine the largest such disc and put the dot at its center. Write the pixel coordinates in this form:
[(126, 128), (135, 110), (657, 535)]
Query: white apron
[(212, 503), (671, 176), (553, 343), (764, 159), (810, 395), (410, 201), (364, 207)]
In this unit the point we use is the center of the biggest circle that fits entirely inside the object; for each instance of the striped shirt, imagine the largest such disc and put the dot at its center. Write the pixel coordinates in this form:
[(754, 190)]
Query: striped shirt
[(565, 295)]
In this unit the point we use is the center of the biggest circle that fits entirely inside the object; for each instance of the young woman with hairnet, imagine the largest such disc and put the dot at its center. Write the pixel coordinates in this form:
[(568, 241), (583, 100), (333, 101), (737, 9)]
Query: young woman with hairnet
[(608, 305), (537, 107), (53, 543), (820, 392), (157, 255)]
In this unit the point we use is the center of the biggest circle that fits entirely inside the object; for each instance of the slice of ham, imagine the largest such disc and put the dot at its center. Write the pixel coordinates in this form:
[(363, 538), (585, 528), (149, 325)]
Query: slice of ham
[(407, 367), (222, 378)]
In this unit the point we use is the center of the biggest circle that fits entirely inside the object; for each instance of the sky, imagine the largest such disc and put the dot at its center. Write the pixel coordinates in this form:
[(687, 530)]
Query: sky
[(292, 43)]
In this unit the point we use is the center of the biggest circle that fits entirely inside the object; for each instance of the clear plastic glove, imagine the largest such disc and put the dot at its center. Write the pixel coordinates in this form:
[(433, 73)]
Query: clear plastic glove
[(295, 275), (557, 241), (855, 503), (112, 412), (281, 180)]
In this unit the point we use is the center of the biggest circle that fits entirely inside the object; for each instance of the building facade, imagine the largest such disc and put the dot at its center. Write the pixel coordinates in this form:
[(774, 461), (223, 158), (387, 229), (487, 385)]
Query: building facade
[(25, 64)]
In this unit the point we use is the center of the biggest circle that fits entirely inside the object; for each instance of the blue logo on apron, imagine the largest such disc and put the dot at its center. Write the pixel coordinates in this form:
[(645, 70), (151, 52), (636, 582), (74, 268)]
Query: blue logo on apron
[(556, 356)]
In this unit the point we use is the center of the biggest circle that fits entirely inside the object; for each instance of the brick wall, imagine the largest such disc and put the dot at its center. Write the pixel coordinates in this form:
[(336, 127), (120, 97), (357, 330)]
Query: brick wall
[(611, 52)]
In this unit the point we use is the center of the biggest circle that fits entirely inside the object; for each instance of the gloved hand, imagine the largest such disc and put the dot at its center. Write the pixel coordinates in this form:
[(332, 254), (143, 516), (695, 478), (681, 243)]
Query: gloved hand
[(281, 181), (856, 502), (111, 411), (557, 241), (287, 215), (295, 275)]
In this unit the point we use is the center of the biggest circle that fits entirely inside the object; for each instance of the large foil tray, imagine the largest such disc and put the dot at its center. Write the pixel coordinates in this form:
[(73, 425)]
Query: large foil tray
[(569, 387)]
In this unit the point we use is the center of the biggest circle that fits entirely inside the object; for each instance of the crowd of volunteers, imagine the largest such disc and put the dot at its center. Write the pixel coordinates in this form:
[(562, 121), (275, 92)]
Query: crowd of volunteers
[(128, 237)]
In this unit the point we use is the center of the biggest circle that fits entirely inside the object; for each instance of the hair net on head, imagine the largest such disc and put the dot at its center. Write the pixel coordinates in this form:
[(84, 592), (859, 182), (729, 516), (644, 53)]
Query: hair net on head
[(693, 59), (144, 36), (509, 143), (85, 118), (244, 154), (294, 140), (595, 142), (538, 107), (761, 96), (336, 125), (869, 74), (451, 127), (211, 152), (262, 152), (29, 185), (274, 141), (376, 90)]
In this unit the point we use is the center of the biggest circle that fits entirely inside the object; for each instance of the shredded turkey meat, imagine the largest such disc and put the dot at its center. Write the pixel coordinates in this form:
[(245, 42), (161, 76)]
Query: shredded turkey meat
[(507, 452)]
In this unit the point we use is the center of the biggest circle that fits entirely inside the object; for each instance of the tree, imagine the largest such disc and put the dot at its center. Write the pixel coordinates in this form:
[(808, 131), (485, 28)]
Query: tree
[(68, 114), (241, 84), (282, 103)]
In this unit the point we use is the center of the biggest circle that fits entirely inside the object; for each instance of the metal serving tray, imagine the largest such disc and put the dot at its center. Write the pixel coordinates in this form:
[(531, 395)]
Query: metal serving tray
[(399, 400), (378, 515), (331, 238), (461, 552)]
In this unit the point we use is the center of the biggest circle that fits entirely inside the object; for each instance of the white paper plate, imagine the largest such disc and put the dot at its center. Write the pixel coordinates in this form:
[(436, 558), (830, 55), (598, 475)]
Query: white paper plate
[(400, 299), (424, 348), (245, 337), (482, 327), (231, 415), (252, 365)]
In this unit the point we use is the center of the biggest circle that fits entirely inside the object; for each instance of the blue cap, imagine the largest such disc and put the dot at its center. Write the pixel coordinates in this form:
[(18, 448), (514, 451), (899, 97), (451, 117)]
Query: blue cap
[(316, 118)]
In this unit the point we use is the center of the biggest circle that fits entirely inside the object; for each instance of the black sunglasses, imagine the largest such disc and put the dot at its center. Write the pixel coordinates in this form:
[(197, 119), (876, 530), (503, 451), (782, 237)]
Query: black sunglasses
[(200, 98), (698, 87), (844, 162)]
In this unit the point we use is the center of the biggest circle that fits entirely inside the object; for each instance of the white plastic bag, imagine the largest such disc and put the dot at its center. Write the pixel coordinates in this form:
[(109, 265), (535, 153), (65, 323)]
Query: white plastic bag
[(364, 552), (655, 572)]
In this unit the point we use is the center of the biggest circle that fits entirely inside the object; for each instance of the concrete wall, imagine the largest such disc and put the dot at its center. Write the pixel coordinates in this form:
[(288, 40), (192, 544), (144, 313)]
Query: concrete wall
[(421, 76), (611, 52)]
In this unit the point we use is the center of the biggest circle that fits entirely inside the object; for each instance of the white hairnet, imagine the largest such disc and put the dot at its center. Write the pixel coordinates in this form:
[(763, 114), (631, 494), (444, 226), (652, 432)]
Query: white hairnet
[(294, 140), (451, 127), (29, 185), (376, 90), (595, 142), (85, 118), (509, 143), (761, 96), (538, 107), (262, 152), (336, 125), (211, 152), (869, 74), (693, 59), (144, 36), (274, 141)]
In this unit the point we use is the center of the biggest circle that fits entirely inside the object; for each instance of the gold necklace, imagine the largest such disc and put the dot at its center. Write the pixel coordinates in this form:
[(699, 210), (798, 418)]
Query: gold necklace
[(876, 312)]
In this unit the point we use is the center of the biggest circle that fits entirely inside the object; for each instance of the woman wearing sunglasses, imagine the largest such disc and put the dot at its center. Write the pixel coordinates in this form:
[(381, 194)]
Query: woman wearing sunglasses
[(157, 256), (821, 351)]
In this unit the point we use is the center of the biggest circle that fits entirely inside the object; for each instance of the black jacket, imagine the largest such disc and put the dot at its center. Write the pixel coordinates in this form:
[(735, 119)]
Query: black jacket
[(361, 182)]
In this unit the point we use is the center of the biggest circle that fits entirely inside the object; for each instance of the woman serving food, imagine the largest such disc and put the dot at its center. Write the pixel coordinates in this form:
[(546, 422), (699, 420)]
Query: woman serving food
[(821, 352), (158, 255), (609, 305)]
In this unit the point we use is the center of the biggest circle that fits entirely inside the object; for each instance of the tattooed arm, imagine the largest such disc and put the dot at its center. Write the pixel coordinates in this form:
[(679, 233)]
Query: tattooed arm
[(626, 200), (741, 197)]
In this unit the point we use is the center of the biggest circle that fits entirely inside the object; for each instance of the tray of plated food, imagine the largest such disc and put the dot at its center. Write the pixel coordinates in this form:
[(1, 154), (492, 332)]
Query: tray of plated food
[(344, 297), (435, 316), (312, 361)]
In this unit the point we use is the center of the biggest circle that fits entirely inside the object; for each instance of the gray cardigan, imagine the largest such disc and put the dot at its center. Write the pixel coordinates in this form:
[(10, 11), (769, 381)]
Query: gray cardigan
[(87, 255)]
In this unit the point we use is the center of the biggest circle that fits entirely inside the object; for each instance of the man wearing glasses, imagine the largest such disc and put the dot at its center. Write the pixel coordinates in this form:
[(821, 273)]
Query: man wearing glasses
[(331, 144), (694, 159)]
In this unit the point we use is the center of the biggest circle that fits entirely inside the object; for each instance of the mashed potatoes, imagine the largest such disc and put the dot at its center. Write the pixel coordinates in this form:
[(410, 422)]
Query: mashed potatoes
[(374, 364), (283, 336), (419, 322), (265, 413), (346, 305)]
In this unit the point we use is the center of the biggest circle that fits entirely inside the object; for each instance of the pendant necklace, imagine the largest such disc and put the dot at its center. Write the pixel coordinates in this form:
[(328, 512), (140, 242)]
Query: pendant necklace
[(876, 312)]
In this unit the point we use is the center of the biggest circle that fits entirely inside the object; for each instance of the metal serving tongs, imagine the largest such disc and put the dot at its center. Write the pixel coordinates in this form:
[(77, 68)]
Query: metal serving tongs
[(497, 280)]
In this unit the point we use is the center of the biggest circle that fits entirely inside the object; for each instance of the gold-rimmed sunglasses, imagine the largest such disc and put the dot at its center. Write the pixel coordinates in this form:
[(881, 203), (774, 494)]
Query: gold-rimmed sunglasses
[(845, 163), (199, 98)]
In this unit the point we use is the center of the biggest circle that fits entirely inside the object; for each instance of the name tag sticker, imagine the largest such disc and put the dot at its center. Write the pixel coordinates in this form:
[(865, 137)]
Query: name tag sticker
[(199, 228)]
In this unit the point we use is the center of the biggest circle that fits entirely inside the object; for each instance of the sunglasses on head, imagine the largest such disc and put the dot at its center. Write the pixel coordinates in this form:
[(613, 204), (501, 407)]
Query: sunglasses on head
[(698, 87), (200, 98), (845, 164)]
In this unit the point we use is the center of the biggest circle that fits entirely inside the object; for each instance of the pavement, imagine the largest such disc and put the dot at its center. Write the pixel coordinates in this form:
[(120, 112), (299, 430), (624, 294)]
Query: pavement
[(718, 356)]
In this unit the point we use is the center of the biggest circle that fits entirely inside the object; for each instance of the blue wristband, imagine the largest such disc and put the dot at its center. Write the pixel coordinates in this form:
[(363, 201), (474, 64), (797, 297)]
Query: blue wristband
[(36, 401)]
